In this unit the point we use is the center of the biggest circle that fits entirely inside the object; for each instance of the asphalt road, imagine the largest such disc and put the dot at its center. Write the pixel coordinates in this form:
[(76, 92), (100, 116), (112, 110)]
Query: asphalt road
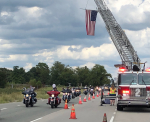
[(133, 114), (87, 112), (17, 112)]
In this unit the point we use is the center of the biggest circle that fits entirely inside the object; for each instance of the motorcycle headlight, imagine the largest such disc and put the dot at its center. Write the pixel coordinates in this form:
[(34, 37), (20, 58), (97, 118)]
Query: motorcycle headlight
[(52, 95), (27, 95)]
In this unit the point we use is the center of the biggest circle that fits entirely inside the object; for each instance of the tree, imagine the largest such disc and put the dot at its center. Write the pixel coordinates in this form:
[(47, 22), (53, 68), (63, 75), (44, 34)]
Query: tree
[(38, 84), (83, 75), (33, 82), (43, 72), (18, 75), (55, 73), (99, 75), (2, 79), (67, 76)]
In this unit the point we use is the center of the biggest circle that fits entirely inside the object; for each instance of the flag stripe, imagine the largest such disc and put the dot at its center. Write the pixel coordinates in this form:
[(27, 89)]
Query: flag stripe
[(90, 25)]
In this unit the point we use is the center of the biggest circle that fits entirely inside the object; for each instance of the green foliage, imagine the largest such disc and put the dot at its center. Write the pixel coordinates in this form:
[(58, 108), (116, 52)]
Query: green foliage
[(33, 82), (42, 71), (59, 74), (18, 75), (2, 79), (38, 84)]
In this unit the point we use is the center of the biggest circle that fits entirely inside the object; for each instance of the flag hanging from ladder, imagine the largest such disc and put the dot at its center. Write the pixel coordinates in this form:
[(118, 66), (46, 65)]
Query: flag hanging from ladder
[(90, 21)]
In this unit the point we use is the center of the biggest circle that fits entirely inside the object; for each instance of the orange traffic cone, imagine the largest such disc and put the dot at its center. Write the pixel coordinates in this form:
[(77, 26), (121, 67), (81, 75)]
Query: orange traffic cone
[(105, 118), (89, 97), (66, 105), (93, 96), (97, 94), (84, 100), (80, 102), (73, 114)]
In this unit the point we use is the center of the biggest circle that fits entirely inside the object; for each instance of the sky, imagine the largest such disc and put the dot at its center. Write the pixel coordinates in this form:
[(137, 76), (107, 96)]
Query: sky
[(33, 31)]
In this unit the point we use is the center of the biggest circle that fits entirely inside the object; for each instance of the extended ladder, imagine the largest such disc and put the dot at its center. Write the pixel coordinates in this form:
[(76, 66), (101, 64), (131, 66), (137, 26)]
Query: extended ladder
[(125, 49)]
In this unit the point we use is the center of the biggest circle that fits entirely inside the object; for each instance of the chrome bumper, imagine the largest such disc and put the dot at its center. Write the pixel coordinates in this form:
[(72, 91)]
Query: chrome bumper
[(134, 102)]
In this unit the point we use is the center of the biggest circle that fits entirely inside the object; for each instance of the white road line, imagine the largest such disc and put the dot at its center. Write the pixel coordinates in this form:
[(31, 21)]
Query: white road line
[(3, 109), (114, 112), (36, 119), (18, 105), (112, 118)]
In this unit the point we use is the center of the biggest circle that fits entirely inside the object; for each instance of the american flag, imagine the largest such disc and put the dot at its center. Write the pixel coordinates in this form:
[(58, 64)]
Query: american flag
[(90, 21)]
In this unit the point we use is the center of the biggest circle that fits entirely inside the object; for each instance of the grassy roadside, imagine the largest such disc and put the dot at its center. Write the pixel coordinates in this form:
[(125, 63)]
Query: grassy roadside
[(15, 95)]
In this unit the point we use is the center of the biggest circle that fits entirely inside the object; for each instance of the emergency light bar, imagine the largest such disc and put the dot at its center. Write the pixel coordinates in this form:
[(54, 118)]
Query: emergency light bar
[(148, 70), (122, 69)]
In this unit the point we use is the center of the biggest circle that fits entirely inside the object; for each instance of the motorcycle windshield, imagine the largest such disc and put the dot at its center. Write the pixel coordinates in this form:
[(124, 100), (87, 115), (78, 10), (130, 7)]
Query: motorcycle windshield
[(56, 93)]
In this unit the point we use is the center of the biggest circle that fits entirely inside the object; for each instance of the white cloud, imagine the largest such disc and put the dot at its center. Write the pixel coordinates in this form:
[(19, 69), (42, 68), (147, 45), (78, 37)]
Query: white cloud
[(28, 66), (67, 19), (4, 13), (103, 52), (17, 57), (140, 41), (88, 64)]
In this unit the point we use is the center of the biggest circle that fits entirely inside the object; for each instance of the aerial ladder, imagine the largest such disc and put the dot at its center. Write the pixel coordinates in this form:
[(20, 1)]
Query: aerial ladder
[(128, 55)]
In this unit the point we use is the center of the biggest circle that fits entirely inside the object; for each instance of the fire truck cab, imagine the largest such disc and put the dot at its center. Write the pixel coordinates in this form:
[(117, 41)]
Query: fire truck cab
[(133, 88)]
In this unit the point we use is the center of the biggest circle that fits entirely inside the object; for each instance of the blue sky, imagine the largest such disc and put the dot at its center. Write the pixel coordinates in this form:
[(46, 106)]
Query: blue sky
[(35, 31)]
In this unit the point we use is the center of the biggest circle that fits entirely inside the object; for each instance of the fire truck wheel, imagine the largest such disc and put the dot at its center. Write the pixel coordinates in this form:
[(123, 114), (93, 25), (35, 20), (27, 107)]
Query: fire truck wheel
[(119, 108)]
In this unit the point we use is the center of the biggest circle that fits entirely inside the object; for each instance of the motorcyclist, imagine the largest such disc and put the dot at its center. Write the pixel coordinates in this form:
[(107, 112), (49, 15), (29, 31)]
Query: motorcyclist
[(54, 89), (85, 89), (69, 91), (33, 94), (90, 88), (30, 91)]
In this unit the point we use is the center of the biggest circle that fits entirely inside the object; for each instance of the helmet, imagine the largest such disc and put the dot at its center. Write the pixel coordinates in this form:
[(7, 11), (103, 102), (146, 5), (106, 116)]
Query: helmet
[(54, 85)]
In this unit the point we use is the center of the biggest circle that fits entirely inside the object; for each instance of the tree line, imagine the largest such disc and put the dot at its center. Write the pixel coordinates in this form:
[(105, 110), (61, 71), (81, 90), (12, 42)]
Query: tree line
[(58, 74)]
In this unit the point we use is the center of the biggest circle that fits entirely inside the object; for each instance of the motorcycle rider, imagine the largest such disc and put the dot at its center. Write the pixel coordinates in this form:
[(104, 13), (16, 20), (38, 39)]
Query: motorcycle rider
[(33, 94), (54, 89), (92, 90), (69, 91), (85, 89), (31, 91)]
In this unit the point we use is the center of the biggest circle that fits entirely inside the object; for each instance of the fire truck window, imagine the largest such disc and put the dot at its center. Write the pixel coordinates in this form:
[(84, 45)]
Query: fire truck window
[(144, 78), (127, 79)]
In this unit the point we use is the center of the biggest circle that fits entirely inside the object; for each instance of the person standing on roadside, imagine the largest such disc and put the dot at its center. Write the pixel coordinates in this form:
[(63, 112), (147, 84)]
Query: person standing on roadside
[(112, 93)]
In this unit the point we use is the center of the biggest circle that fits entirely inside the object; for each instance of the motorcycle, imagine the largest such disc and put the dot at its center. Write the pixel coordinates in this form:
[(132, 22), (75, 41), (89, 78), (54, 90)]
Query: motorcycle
[(85, 92), (73, 94), (53, 100), (29, 97), (92, 91), (66, 96), (78, 92)]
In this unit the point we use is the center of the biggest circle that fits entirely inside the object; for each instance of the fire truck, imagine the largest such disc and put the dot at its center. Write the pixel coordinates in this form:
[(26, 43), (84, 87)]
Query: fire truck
[(133, 82)]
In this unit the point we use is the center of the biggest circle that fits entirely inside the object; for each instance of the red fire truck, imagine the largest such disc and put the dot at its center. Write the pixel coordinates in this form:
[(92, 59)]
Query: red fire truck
[(133, 88), (133, 81)]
